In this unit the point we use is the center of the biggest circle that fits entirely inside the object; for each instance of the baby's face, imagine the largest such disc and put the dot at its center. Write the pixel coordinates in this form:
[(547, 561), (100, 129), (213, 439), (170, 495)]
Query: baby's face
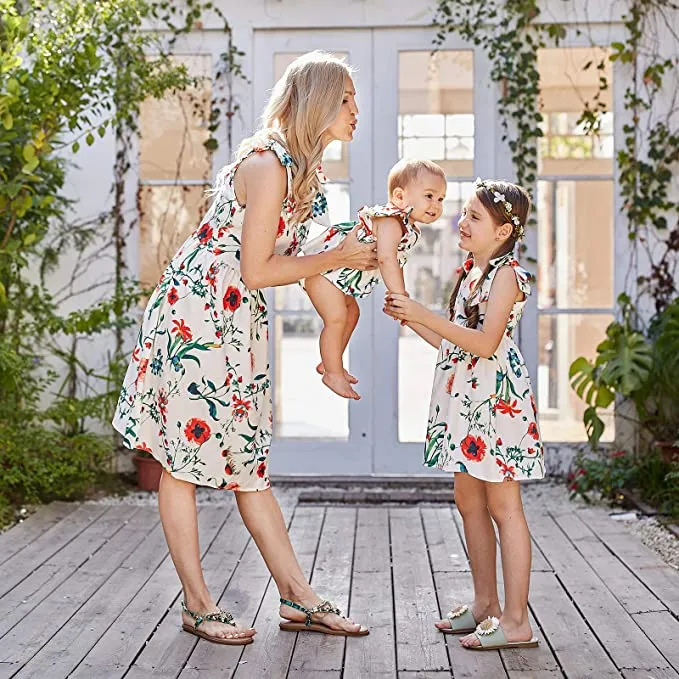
[(425, 195)]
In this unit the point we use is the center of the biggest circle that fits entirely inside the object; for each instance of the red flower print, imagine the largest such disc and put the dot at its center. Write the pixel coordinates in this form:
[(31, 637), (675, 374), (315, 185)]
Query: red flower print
[(183, 329), (228, 470), (332, 232), (508, 408), (232, 486), (261, 470), (475, 360), (204, 233), (135, 354), (449, 383), (144, 447), (508, 471), (533, 430), (533, 406), (531, 451), (252, 362), (498, 442), (240, 408), (197, 430), (281, 227), (232, 298), (141, 372), (172, 296), (473, 448)]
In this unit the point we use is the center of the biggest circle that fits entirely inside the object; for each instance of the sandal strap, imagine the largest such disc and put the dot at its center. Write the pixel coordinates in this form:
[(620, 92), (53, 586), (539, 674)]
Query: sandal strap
[(324, 606), (218, 616)]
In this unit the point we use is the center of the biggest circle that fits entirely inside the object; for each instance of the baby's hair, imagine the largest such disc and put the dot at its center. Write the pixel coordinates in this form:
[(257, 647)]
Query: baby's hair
[(407, 171), (520, 200)]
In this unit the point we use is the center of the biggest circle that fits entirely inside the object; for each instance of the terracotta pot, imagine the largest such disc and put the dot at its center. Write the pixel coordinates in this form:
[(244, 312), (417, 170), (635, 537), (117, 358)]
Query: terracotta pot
[(149, 471), (669, 450)]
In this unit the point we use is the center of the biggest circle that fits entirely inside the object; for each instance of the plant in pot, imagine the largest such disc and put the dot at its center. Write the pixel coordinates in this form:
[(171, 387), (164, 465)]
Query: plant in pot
[(149, 470)]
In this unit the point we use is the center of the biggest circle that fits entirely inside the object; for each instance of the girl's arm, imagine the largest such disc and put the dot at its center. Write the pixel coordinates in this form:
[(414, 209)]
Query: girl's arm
[(426, 334), (261, 182), (389, 234), (482, 342)]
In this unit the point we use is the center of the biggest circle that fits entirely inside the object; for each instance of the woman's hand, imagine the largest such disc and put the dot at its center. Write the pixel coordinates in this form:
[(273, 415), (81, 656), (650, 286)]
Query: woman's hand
[(404, 309), (353, 254)]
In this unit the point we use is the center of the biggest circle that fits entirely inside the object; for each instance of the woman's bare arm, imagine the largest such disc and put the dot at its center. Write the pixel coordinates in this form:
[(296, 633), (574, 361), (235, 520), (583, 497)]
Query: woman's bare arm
[(261, 185)]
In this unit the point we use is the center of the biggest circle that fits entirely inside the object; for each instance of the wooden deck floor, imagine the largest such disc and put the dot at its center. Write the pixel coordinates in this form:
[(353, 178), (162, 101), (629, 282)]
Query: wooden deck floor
[(89, 591)]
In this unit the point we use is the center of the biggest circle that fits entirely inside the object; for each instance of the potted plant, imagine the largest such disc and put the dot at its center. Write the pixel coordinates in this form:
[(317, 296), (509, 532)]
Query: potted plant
[(149, 470)]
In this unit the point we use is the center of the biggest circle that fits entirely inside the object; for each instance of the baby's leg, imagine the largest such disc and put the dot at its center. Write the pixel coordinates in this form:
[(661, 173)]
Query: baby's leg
[(331, 307), (353, 313)]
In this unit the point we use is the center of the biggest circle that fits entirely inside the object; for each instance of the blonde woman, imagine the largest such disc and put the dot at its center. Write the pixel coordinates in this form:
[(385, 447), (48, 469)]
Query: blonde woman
[(197, 394)]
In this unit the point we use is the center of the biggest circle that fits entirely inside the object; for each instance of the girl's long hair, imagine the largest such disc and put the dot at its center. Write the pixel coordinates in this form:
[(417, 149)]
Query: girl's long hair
[(303, 104), (520, 201)]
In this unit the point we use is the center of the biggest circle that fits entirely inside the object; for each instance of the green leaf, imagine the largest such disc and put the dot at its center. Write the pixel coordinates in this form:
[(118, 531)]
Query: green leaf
[(30, 239), (29, 152), (31, 165), (76, 147), (594, 426), (89, 139), (8, 121)]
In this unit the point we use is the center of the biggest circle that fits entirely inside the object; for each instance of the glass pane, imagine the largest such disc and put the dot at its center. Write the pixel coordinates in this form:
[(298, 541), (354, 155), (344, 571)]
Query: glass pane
[(429, 278), (303, 406), (172, 130), (565, 87), (562, 339), (168, 215), (436, 108), (575, 244)]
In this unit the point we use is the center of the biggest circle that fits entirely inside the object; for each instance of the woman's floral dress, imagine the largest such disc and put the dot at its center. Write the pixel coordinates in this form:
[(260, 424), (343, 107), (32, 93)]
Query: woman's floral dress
[(482, 416), (361, 283), (197, 393)]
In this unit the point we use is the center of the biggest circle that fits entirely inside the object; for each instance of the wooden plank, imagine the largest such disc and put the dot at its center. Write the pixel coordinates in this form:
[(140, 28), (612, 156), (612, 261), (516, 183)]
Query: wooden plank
[(663, 629), (46, 620), (314, 674), (578, 651), (446, 549), (631, 592), (535, 674), (423, 675), (627, 645), (331, 578), (658, 576), (650, 674), (21, 600), (105, 637), (169, 647), (454, 588), (247, 590), (23, 563), (418, 644), (14, 539), (371, 598)]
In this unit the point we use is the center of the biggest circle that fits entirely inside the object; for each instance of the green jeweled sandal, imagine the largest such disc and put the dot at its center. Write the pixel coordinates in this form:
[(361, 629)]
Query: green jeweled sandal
[(462, 621), (492, 638), (309, 626), (218, 616)]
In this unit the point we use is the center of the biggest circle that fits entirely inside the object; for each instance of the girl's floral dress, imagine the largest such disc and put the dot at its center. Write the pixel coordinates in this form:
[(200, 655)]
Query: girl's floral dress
[(482, 416), (197, 393), (361, 283)]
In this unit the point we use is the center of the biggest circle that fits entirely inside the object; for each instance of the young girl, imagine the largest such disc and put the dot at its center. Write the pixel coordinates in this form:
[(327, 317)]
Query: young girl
[(482, 419), (416, 192)]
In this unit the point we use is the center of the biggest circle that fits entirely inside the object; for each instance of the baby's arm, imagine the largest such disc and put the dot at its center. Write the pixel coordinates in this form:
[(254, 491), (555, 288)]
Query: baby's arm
[(389, 234)]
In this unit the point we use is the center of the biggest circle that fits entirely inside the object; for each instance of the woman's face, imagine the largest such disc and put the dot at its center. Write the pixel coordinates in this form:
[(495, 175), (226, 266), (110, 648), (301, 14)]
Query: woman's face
[(344, 126)]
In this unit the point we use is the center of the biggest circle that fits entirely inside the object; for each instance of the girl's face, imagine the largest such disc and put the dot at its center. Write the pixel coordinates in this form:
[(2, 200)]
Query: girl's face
[(344, 125), (479, 232)]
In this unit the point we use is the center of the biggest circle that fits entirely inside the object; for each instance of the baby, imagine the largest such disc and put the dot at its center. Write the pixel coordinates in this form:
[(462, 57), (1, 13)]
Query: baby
[(416, 192)]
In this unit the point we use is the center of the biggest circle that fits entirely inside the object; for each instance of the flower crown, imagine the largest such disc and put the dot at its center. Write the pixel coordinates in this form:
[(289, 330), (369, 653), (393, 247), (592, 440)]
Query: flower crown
[(519, 229)]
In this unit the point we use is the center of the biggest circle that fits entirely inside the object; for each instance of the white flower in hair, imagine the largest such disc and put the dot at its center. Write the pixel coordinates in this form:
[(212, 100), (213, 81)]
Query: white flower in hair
[(499, 197), (516, 220)]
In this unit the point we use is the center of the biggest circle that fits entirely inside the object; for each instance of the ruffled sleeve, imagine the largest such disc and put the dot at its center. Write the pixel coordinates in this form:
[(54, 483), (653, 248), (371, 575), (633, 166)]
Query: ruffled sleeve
[(366, 214), (523, 277)]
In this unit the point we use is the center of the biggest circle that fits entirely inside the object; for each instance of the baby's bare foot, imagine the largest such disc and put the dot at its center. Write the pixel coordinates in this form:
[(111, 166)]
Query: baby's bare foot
[(340, 385), (320, 369)]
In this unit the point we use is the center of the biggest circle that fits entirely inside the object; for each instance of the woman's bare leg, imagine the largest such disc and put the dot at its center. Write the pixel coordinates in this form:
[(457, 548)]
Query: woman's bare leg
[(178, 514), (263, 518)]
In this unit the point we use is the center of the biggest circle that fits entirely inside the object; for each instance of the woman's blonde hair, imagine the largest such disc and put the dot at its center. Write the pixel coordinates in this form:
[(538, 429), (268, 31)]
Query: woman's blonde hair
[(303, 104)]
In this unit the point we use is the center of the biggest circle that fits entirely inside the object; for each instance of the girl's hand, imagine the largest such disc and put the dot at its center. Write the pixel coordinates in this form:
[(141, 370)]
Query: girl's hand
[(402, 308), (353, 254)]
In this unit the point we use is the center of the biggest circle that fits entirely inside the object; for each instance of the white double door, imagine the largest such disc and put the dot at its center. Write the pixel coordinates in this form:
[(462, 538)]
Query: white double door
[(316, 432)]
